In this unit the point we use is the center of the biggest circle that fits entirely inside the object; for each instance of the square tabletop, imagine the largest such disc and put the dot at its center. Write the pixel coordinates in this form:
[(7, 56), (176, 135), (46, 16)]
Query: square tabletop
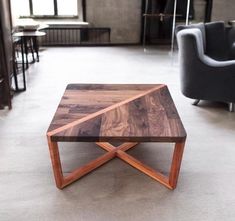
[(116, 112)]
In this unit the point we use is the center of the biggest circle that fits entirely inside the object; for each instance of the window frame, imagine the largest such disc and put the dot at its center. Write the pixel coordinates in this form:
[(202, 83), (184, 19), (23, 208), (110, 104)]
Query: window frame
[(55, 16)]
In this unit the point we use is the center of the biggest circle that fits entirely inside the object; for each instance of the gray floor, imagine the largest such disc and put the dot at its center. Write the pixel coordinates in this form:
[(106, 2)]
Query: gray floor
[(115, 191)]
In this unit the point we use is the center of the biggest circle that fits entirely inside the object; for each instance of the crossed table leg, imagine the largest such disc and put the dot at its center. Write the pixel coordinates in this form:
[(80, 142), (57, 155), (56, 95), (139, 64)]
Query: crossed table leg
[(112, 152)]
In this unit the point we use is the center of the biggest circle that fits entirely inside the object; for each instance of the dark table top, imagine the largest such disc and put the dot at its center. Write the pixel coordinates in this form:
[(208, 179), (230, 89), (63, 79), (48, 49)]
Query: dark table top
[(116, 112)]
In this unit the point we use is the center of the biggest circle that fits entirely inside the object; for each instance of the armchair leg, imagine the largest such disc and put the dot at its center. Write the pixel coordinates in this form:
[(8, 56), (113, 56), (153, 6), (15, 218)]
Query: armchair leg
[(232, 107), (196, 102)]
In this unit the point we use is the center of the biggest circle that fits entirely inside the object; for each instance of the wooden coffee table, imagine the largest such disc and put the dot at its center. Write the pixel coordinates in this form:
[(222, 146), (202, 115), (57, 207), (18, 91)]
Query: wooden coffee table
[(104, 113)]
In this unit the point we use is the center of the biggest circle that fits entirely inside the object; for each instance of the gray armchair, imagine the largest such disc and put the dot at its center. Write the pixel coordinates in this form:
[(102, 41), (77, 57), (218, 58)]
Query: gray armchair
[(207, 68)]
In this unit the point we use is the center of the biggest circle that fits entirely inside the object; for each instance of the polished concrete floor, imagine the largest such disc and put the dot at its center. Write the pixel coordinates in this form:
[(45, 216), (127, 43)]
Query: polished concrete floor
[(115, 191)]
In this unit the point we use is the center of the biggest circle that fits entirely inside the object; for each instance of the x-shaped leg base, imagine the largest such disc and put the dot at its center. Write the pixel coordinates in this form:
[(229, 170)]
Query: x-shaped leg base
[(112, 152)]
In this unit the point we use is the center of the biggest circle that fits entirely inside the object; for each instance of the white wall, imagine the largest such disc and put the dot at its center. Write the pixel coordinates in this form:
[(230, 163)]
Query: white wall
[(122, 16), (223, 10), (199, 8)]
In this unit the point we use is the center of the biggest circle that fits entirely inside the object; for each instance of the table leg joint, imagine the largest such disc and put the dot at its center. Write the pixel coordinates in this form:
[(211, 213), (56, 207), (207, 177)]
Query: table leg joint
[(112, 152)]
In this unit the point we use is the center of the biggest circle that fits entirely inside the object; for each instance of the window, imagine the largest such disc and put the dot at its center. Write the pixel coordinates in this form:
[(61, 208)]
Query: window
[(42, 7), (46, 8)]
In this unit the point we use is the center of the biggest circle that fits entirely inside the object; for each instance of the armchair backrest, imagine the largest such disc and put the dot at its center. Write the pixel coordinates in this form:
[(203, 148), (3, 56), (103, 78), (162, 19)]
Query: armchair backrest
[(199, 26), (191, 41), (215, 42)]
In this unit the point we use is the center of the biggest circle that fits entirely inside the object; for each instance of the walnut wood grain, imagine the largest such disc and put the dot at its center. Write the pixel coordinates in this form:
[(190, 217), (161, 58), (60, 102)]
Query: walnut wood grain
[(139, 114), (99, 111), (105, 113)]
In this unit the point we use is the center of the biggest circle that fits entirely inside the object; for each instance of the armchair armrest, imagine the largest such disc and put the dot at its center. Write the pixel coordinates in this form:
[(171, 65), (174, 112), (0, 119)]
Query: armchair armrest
[(214, 63)]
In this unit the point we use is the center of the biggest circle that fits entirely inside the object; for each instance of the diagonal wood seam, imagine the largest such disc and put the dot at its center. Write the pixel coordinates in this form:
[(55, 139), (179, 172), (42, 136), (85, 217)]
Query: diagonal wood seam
[(96, 114)]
